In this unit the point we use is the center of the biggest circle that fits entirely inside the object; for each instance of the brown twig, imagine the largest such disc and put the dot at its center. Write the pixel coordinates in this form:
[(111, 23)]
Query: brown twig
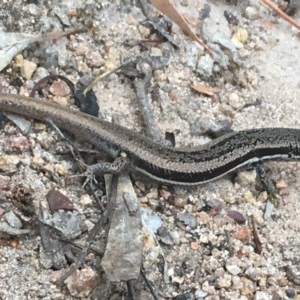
[(59, 34), (257, 243), (168, 9), (281, 13)]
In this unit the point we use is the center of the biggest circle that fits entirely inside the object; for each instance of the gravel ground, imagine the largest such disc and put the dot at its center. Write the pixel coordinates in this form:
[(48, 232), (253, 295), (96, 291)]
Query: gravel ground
[(200, 254)]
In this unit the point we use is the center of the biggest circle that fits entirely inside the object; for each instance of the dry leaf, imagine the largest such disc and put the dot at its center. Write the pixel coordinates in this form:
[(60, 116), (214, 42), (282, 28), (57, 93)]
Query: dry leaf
[(12, 43), (167, 8), (206, 90), (283, 15)]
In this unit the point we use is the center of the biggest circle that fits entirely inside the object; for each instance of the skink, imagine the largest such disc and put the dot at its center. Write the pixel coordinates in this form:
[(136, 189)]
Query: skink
[(179, 166)]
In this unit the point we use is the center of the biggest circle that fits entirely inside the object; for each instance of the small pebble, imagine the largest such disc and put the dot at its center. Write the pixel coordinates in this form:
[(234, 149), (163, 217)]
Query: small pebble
[(143, 200), (248, 288), (32, 9), (82, 49), (205, 66), (251, 13), (236, 282), (9, 163), (184, 2), (4, 182), (251, 272), (245, 176), (203, 218), (156, 51), (280, 184), (224, 282), (95, 59), (195, 246), (290, 293), (113, 58), (240, 37), (80, 284), (19, 60), (234, 101), (243, 234), (48, 168), (131, 20), (154, 203), (187, 219), (175, 236), (180, 201), (262, 197), (28, 68), (144, 31), (233, 269), (40, 73), (62, 169), (153, 194), (89, 225), (140, 185), (86, 200), (284, 191), (59, 88), (249, 197), (73, 12), (262, 296), (13, 220), (199, 294)]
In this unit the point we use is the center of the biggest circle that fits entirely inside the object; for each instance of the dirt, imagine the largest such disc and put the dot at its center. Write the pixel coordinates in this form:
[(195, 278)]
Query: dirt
[(256, 72)]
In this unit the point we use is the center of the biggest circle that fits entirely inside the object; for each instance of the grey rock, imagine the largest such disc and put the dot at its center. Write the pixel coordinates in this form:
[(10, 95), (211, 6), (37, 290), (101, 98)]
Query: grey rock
[(13, 220)]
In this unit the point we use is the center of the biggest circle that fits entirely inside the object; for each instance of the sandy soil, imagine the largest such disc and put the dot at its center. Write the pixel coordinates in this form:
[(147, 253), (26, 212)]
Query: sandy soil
[(213, 258)]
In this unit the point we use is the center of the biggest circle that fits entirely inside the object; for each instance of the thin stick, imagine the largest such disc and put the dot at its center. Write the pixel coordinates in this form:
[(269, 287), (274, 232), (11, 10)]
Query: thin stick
[(281, 13)]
